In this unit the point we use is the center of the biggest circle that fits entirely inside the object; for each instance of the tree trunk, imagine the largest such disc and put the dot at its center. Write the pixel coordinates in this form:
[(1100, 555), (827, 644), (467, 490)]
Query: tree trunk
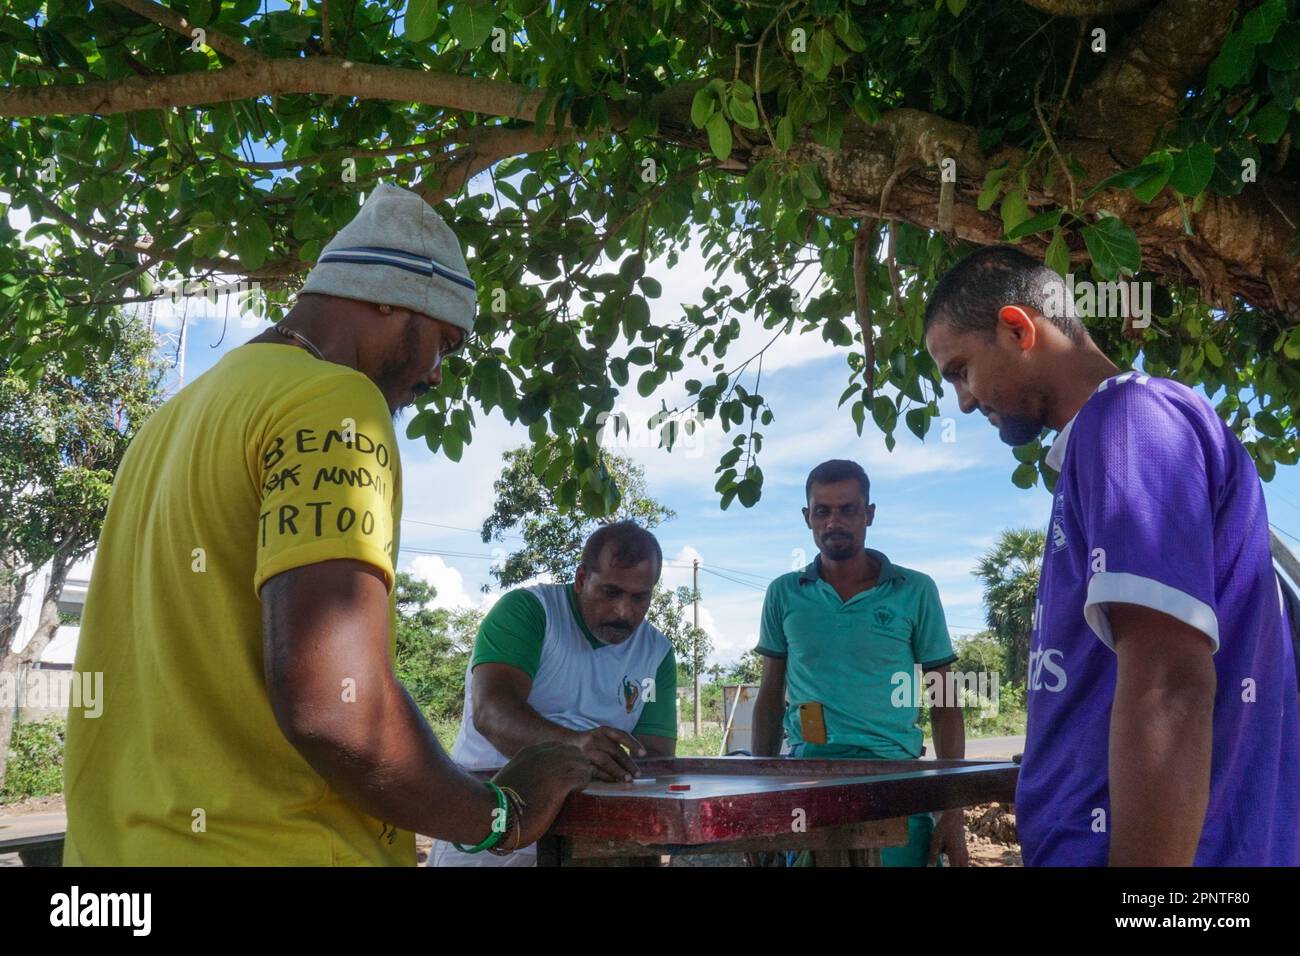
[(13, 588)]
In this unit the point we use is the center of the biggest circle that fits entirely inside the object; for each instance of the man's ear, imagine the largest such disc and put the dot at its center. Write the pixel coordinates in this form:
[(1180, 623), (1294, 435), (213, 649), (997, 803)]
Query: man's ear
[(579, 576), (805, 517), (871, 514), (1021, 324)]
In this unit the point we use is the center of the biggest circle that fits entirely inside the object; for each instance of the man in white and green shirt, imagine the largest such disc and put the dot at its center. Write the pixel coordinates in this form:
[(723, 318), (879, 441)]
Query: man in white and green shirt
[(573, 663)]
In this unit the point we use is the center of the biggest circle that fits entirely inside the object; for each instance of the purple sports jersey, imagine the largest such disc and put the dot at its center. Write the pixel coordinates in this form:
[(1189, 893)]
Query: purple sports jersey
[(1158, 504)]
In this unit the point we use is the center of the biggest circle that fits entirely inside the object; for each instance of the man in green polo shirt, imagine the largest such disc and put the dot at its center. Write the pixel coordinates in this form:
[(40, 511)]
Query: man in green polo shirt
[(572, 663), (834, 639)]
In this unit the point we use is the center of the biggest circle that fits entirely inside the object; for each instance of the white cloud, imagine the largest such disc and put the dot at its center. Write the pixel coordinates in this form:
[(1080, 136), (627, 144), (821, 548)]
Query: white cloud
[(449, 583)]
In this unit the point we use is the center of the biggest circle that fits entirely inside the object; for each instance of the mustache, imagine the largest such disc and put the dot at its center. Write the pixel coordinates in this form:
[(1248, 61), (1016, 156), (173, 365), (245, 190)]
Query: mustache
[(618, 625)]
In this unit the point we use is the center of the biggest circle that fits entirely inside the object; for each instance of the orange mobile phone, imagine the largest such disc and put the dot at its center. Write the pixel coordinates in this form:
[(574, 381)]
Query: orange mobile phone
[(812, 723)]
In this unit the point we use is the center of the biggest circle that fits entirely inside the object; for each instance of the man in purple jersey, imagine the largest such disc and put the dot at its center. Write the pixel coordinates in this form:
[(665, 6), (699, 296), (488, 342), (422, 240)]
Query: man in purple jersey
[(1163, 720)]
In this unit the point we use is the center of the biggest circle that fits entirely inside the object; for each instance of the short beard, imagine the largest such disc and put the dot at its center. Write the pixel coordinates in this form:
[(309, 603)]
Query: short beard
[(837, 551), (1018, 430), (397, 364)]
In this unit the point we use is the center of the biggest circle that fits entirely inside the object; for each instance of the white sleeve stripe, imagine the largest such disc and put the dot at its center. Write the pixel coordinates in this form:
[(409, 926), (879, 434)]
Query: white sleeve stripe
[(1117, 587)]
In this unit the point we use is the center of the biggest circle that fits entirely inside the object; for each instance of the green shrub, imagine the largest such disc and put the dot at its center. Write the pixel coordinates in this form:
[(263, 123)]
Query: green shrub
[(35, 767)]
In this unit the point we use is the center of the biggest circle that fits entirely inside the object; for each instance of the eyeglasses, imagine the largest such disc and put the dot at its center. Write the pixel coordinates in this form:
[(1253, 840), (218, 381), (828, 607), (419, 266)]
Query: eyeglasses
[(445, 349)]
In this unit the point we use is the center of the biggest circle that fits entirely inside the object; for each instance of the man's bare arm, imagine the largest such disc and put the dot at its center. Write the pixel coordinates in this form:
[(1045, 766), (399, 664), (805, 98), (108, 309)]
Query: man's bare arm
[(338, 702), (504, 717), (769, 708), (1161, 734), (945, 720), (949, 742), (656, 746)]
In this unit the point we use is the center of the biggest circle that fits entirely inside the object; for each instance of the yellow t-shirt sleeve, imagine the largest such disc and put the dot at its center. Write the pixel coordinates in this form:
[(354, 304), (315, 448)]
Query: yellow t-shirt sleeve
[(327, 473)]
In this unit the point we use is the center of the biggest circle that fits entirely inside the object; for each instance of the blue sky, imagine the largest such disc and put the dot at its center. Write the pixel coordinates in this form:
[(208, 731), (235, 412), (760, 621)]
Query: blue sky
[(940, 504)]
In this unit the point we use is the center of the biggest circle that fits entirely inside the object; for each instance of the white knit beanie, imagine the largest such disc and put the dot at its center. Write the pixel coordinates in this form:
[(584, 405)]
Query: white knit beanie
[(398, 251)]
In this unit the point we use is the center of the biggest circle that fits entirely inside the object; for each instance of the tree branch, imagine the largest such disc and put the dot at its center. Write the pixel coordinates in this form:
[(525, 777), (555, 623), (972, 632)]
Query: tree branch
[(275, 270), (225, 45), (1085, 8), (1140, 89), (258, 78), (491, 145)]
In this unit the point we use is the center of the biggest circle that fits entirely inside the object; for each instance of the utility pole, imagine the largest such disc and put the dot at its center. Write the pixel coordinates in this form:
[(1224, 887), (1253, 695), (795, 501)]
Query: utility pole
[(695, 639)]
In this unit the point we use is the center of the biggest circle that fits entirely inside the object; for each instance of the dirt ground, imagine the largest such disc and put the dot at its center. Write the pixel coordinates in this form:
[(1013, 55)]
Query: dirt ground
[(990, 830), (33, 805)]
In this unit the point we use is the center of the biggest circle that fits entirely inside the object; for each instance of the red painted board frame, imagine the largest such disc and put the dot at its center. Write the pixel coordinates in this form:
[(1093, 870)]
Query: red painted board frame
[(838, 792)]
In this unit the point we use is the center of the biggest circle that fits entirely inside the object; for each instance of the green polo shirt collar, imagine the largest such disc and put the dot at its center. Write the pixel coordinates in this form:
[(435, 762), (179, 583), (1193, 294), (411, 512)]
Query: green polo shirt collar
[(813, 572)]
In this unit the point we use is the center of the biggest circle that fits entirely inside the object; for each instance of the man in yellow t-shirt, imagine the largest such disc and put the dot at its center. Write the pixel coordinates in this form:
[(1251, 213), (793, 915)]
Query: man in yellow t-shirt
[(241, 604)]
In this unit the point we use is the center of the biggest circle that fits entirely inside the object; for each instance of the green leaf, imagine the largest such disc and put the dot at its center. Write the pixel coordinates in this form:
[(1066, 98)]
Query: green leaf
[(67, 50), (253, 243), (744, 112), (1193, 168), (748, 491), (1292, 347), (1148, 190), (471, 22), (1212, 354), (1260, 24), (1125, 179), (1113, 246), (1058, 254), (208, 242), (1040, 223), (719, 131), (1015, 210), (955, 7), (884, 412), (821, 53), (1025, 475), (784, 133), (1233, 64), (992, 185), (918, 421), (703, 105), (1029, 452), (1284, 52), (808, 184), (452, 444), (1269, 122), (636, 311), (647, 382)]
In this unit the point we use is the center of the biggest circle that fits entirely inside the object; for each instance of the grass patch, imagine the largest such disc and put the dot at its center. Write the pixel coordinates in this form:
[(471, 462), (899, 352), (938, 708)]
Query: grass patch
[(35, 767)]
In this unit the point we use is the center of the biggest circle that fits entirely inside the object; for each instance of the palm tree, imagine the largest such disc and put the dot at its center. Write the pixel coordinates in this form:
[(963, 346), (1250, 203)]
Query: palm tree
[(1010, 575)]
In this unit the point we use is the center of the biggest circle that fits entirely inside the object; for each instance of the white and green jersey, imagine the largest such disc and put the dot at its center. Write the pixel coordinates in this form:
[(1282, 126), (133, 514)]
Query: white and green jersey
[(579, 682)]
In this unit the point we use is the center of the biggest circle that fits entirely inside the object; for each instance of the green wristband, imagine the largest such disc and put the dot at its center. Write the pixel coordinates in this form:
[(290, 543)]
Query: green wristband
[(493, 838)]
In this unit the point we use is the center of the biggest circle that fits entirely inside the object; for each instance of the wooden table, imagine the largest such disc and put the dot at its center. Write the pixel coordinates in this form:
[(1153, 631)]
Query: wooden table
[(37, 838), (843, 810)]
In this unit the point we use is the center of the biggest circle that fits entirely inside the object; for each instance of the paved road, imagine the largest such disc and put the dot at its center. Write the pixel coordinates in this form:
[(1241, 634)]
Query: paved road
[(982, 747)]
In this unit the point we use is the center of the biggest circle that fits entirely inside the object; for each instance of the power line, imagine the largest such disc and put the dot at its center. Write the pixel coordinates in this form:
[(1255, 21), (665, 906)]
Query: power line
[(1280, 531), (719, 574), (452, 527), (448, 554)]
